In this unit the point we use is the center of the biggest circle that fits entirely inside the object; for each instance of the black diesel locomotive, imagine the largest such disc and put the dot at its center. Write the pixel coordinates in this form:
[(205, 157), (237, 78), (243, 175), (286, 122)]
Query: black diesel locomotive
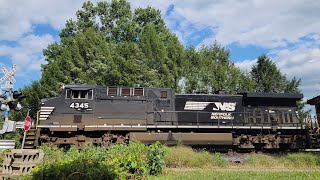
[(107, 115)]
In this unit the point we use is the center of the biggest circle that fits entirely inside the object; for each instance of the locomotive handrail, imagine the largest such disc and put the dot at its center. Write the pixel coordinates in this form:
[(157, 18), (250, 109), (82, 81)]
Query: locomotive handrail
[(37, 122)]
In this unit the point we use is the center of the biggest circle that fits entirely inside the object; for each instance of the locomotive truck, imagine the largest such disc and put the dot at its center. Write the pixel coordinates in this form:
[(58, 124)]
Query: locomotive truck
[(105, 115)]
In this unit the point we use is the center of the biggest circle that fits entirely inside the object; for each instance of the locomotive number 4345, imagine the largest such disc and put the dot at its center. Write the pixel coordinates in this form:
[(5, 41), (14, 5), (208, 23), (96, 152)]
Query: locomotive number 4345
[(79, 105)]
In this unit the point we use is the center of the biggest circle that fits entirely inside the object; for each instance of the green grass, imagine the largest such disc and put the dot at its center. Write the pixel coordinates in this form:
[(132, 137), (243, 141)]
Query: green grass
[(292, 160), (1, 156), (186, 157), (180, 156), (239, 175)]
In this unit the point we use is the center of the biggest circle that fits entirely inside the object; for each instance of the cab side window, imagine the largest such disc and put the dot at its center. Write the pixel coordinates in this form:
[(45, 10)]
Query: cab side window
[(79, 94)]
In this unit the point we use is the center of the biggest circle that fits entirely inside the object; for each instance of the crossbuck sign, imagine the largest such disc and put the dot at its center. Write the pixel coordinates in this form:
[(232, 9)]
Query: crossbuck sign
[(8, 75)]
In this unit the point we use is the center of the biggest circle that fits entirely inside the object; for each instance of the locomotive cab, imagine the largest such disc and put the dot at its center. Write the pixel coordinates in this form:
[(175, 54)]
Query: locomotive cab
[(75, 106)]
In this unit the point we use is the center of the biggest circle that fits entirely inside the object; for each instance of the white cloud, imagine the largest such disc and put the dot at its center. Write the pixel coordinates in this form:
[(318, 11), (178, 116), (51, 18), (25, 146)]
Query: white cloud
[(265, 23), (246, 64), (303, 63), (27, 54), (17, 17), (255, 22), (161, 5)]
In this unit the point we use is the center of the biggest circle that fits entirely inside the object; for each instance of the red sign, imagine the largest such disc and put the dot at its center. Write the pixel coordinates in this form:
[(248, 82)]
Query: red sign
[(27, 123)]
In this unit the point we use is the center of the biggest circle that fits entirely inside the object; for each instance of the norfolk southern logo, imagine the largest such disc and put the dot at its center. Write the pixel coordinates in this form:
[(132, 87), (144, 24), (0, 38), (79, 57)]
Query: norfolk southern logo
[(217, 106), (224, 106)]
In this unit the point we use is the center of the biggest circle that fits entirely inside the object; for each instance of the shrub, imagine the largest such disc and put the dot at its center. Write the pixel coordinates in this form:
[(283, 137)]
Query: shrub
[(156, 161), (129, 161), (132, 161), (73, 164)]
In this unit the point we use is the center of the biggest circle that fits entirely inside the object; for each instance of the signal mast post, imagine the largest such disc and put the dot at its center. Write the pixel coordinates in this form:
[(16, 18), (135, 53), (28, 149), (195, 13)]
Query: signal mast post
[(7, 100)]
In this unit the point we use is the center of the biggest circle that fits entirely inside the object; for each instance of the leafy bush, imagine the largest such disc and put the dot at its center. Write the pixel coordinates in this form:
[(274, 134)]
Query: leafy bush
[(132, 161), (73, 164), (129, 161), (156, 161), (181, 156), (136, 160)]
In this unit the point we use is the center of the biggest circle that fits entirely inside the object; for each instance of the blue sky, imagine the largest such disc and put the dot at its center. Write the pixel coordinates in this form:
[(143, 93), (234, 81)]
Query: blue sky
[(287, 30)]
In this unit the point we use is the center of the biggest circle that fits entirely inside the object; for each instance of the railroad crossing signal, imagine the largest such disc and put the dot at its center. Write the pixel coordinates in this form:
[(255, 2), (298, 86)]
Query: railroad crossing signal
[(8, 75)]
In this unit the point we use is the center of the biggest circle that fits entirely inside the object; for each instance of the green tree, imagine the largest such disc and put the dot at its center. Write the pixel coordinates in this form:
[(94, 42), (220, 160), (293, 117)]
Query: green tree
[(268, 77), (157, 58), (34, 93), (109, 44), (210, 69)]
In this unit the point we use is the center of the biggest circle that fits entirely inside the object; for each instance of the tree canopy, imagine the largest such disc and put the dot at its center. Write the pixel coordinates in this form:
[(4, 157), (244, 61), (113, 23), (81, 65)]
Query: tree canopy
[(268, 77), (110, 44)]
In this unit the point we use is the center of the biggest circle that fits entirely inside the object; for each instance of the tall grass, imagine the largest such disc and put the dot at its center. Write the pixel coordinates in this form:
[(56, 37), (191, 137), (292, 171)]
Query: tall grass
[(239, 175), (180, 156), (305, 160), (186, 157), (291, 160), (2, 151)]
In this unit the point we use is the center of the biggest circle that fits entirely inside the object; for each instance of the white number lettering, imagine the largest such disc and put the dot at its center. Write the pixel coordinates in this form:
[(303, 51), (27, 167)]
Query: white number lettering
[(79, 105), (72, 105), (76, 105), (86, 105)]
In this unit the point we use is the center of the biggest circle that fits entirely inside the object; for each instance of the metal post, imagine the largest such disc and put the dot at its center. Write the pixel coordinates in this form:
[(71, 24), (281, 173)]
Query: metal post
[(24, 139)]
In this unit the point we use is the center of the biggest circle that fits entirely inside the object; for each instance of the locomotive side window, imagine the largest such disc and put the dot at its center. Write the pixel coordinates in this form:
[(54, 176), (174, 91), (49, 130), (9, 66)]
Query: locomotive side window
[(79, 94), (90, 94), (68, 94), (163, 94)]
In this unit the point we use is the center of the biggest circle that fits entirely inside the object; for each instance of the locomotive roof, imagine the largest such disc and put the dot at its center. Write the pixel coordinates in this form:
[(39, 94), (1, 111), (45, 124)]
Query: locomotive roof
[(80, 86), (237, 95), (314, 101), (92, 86), (273, 95)]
